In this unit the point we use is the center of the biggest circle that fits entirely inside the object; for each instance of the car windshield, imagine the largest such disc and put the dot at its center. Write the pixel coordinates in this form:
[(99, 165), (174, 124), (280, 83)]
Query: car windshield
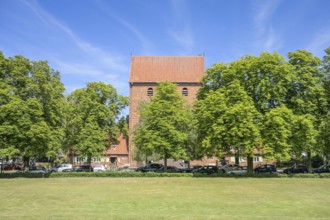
[(323, 166)]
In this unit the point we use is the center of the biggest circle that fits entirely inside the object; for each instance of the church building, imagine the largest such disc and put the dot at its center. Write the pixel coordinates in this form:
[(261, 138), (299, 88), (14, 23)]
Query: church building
[(147, 71)]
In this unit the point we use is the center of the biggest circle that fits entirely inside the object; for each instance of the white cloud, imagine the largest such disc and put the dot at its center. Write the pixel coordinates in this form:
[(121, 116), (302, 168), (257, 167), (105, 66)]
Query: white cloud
[(320, 42), (90, 63), (181, 31), (146, 44), (265, 37), (108, 60), (184, 38)]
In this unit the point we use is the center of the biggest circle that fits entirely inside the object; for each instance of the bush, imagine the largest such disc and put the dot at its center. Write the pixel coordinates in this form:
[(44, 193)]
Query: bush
[(303, 175), (119, 174), (325, 175), (115, 174), (24, 175), (260, 175)]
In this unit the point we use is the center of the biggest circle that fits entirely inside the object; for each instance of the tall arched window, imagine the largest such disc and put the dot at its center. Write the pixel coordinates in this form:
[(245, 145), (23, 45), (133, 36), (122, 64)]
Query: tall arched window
[(150, 92), (185, 92)]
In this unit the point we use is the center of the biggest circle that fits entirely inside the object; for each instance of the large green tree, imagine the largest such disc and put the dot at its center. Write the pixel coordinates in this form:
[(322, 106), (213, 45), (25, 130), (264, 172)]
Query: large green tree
[(92, 119), (163, 124), (228, 120), (306, 97), (282, 92), (324, 137), (31, 107)]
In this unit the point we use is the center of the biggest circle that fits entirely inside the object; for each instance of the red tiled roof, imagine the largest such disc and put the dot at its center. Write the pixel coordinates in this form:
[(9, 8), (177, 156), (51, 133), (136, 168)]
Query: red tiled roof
[(166, 68), (121, 147)]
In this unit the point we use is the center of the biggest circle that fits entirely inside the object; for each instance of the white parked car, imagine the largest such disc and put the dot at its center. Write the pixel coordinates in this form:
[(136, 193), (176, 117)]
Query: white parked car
[(99, 168), (61, 167), (239, 171)]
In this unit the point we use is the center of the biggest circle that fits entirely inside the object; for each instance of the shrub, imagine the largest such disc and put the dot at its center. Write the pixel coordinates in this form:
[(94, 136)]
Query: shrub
[(24, 175), (303, 175), (325, 175), (119, 174)]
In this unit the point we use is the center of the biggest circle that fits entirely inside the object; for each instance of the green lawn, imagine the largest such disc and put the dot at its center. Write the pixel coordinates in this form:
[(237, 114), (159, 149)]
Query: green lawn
[(164, 198)]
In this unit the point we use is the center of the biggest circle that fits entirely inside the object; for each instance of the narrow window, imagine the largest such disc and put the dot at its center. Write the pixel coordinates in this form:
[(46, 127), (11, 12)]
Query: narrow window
[(150, 92), (185, 92)]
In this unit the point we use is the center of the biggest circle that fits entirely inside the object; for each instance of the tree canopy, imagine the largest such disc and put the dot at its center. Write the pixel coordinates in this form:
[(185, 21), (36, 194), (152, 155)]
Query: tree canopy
[(92, 118), (287, 98), (31, 107), (163, 124)]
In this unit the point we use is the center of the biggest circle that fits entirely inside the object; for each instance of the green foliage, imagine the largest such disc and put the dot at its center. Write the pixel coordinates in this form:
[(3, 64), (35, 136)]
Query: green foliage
[(91, 119), (163, 124), (228, 119), (277, 132), (283, 101), (116, 174), (31, 107)]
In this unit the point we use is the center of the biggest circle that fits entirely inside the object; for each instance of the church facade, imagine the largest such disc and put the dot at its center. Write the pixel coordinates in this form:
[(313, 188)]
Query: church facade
[(147, 71)]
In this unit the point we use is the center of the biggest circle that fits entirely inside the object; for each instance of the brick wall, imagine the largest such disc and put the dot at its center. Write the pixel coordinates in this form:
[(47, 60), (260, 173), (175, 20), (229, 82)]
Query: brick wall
[(138, 93)]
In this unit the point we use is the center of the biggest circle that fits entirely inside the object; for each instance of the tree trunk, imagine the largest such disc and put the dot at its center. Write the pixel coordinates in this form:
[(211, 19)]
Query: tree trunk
[(26, 162), (309, 161), (89, 161), (165, 162), (236, 156), (250, 163)]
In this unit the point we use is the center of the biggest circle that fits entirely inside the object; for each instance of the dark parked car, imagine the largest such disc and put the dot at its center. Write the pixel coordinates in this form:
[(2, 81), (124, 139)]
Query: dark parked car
[(151, 167), (82, 168), (265, 168), (296, 169), (170, 169), (322, 169), (191, 169), (207, 169)]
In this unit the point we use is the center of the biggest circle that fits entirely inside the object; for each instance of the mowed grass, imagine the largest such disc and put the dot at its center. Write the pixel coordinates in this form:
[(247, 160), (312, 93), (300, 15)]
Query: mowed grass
[(164, 198)]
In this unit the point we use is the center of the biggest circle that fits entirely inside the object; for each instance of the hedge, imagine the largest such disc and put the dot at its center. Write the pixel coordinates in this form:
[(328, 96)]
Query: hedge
[(92, 174), (115, 174)]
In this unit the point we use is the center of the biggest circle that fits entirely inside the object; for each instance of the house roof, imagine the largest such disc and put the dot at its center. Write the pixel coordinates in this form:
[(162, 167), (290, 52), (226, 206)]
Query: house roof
[(120, 148), (166, 68)]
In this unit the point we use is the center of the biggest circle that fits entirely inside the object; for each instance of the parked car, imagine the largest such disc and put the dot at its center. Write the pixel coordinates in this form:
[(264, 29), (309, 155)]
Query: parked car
[(99, 168), (229, 167), (151, 167), (265, 168), (296, 169), (8, 166), (37, 169), (61, 167), (207, 169), (68, 170), (191, 169), (237, 170), (83, 168), (170, 169), (322, 169)]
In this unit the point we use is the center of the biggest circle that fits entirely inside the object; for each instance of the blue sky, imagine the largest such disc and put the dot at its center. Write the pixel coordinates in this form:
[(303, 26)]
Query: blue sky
[(93, 40)]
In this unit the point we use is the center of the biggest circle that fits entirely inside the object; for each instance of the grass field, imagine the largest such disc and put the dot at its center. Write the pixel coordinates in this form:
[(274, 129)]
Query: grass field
[(164, 198)]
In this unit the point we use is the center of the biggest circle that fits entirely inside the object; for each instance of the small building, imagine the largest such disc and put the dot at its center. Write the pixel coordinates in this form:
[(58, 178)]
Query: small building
[(117, 154)]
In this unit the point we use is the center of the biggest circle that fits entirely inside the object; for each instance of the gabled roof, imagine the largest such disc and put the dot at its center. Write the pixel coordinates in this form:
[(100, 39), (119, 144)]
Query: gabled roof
[(166, 68), (119, 149)]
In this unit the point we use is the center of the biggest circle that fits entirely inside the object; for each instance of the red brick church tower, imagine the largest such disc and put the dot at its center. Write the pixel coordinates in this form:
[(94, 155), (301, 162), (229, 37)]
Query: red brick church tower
[(147, 71)]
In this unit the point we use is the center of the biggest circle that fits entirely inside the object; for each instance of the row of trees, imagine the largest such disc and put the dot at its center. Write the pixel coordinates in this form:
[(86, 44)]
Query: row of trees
[(266, 103), (38, 120)]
